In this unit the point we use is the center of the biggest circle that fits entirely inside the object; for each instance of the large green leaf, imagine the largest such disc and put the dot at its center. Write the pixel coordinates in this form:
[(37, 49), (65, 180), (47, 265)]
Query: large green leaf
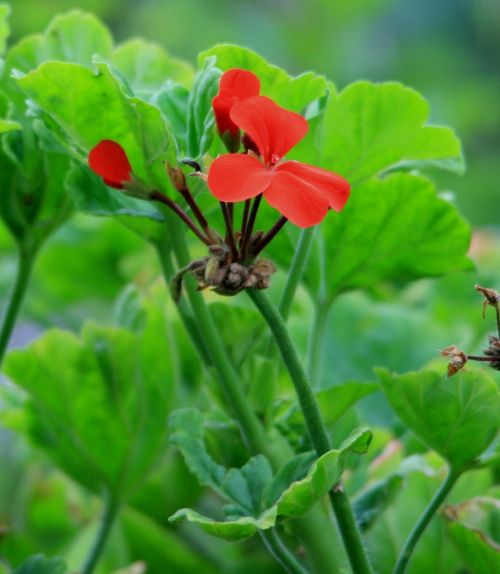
[(73, 37), (146, 67), (138, 126), (291, 93), (395, 229), (257, 498), (98, 404), (369, 128), (40, 565), (456, 417)]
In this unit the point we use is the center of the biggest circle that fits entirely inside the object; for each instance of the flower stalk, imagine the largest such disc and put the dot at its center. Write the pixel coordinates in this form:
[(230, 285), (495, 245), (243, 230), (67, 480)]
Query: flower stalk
[(315, 427), (25, 265)]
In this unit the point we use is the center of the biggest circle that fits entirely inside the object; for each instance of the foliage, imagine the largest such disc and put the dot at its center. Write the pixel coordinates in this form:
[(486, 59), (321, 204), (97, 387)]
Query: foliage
[(148, 412)]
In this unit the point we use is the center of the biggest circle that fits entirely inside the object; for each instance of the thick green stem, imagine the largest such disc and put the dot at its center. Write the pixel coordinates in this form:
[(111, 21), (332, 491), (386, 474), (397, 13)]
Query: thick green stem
[(316, 339), (414, 536), (108, 519), (25, 265), (281, 553), (316, 428)]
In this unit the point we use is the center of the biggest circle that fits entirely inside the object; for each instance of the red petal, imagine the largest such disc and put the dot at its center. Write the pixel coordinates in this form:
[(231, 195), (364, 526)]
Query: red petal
[(273, 129), (109, 160), (235, 85), (222, 104), (236, 177), (241, 83), (299, 201), (335, 188)]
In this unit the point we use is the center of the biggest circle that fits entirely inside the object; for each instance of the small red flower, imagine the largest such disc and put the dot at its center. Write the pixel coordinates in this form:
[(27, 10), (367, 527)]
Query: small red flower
[(235, 85), (301, 192), (109, 160)]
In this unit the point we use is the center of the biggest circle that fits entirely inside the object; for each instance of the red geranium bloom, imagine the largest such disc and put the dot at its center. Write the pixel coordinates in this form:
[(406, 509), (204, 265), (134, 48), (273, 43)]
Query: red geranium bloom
[(109, 160), (302, 193), (235, 85)]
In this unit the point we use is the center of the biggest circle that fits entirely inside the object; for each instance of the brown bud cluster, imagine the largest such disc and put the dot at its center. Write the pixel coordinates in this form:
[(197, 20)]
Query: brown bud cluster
[(227, 277), (493, 350)]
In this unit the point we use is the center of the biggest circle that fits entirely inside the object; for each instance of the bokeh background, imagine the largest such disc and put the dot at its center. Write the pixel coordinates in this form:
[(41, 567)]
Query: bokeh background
[(447, 49)]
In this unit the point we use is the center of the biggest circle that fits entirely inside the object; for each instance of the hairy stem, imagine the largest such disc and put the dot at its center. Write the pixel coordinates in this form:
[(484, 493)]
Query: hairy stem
[(412, 540), (25, 264), (108, 519), (315, 427), (281, 553)]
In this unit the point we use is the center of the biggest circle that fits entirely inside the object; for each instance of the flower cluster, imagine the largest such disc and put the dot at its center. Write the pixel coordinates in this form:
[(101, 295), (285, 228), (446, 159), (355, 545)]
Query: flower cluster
[(258, 134)]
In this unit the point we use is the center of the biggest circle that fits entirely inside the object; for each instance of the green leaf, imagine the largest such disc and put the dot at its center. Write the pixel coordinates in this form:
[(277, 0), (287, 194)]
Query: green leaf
[(200, 124), (172, 99), (4, 26), (76, 37), (456, 417), (291, 93), (396, 229), (91, 195), (369, 128), (146, 67), (371, 502), (235, 530), (139, 127), (324, 473), (33, 202), (40, 565), (479, 551), (257, 499), (98, 404)]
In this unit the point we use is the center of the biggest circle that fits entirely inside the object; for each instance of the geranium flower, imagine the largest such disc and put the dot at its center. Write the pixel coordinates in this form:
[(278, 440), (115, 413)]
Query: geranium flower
[(300, 192), (235, 85), (109, 160)]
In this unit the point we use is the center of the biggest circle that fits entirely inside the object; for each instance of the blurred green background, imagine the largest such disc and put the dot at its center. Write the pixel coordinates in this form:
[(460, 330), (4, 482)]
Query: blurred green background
[(447, 49)]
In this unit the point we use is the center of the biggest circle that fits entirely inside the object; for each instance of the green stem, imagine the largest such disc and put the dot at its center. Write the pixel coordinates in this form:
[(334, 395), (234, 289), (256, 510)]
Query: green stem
[(25, 264), (316, 339), (414, 536), (108, 518), (296, 271), (315, 426), (281, 553)]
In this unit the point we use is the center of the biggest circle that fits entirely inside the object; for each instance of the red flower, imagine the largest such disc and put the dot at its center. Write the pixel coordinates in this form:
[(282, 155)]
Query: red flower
[(235, 85), (302, 193), (109, 160)]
